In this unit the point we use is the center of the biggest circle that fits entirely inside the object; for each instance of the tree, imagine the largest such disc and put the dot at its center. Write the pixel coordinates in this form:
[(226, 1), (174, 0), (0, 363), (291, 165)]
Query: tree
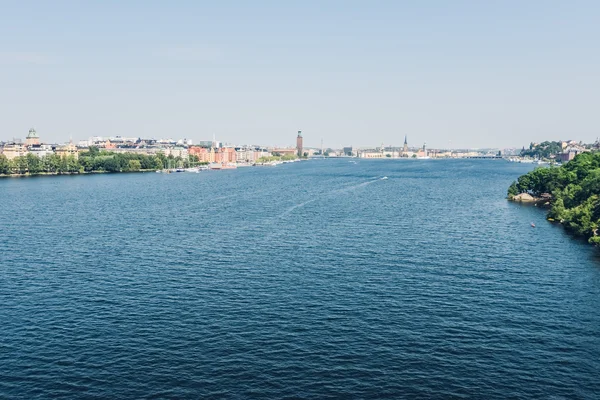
[(34, 164), (73, 165), (111, 165), (21, 164), (4, 165), (575, 189), (157, 163), (134, 165), (513, 190)]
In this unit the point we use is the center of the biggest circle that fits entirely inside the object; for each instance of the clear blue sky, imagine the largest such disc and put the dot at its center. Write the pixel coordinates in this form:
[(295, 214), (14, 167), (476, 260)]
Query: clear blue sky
[(464, 73)]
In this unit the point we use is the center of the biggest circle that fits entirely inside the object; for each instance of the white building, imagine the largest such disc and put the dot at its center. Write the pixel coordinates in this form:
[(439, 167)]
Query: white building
[(176, 152), (41, 150)]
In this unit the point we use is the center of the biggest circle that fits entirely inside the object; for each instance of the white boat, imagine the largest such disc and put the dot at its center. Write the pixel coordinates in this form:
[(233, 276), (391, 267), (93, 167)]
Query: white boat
[(384, 178)]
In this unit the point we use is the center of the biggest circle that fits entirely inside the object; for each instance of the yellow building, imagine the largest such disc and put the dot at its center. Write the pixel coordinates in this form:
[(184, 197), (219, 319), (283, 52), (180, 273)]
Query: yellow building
[(14, 150), (67, 150)]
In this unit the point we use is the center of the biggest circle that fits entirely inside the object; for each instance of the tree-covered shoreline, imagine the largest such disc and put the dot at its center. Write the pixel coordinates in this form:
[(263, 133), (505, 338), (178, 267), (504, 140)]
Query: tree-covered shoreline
[(91, 161), (575, 192)]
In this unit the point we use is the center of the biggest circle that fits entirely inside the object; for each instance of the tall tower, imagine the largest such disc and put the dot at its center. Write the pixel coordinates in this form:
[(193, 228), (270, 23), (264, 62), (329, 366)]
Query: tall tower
[(405, 148), (299, 147), (32, 138)]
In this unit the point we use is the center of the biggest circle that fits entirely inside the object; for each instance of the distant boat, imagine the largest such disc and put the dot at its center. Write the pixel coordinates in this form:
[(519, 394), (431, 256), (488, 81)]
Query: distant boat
[(532, 225), (384, 178)]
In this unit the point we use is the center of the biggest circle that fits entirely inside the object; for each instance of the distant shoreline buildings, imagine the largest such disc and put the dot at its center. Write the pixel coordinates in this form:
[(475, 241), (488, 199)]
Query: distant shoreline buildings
[(205, 151), (213, 151)]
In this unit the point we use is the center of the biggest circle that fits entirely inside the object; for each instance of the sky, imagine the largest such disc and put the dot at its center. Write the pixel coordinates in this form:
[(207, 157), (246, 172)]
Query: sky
[(460, 74)]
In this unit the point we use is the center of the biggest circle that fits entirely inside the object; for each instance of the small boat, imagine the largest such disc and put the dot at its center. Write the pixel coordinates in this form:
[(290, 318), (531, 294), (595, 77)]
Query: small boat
[(532, 225), (384, 178)]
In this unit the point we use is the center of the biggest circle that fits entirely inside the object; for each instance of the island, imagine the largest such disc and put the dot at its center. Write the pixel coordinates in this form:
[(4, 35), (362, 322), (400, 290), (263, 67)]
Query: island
[(571, 193)]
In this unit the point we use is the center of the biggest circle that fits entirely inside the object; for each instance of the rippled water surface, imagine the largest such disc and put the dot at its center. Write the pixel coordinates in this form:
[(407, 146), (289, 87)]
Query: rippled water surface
[(309, 280)]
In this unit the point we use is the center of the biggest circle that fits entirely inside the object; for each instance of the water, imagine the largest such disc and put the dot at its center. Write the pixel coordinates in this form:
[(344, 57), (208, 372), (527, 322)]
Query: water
[(311, 280)]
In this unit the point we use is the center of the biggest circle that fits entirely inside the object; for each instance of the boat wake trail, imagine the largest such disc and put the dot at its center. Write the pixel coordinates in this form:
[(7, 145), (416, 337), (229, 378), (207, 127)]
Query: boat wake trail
[(336, 191), (354, 187), (292, 208), (332, 193)]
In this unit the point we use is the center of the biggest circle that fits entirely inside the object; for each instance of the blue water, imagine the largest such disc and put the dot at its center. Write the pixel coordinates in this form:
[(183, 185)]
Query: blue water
[(308, 280)]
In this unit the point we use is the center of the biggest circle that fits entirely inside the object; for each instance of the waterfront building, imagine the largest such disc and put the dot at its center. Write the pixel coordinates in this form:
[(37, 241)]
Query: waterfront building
[(405, 147), (370, 154), (149, 151), (284, 151), (176, 152), (225, 155), (40, 150), (422, 151), (299, 142), (246, 154), (567, 155), (14, 149), (348, 151), (202, 153), (67, 150), (32, 138), (216, 155)]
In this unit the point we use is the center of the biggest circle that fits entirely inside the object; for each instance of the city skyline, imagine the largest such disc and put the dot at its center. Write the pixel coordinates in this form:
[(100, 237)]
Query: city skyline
[(187, 141), (460, 75)]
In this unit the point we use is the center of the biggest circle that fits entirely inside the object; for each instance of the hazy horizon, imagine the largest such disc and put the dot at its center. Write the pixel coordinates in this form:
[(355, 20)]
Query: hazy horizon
[(454, 75)]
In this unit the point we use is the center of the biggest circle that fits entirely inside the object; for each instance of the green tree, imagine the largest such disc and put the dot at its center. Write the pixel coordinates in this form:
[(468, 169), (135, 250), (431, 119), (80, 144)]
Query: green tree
[(513, 190), (34, 164), (4, 165), (134, 165), (21, 165), (575, 189), (111, 165), (73, 165)]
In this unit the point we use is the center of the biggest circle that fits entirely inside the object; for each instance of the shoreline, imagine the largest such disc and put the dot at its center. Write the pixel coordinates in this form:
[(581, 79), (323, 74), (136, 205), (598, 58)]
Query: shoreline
[(28, 175)]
